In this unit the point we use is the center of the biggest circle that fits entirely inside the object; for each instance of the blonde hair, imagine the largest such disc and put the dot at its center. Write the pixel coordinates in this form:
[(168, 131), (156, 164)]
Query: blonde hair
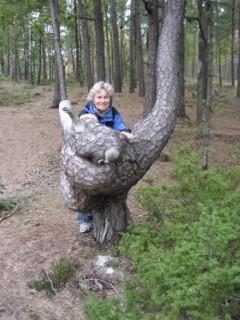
[(99, 86)]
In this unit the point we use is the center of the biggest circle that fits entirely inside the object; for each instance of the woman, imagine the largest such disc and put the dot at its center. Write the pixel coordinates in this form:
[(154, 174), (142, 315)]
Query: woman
[(99, 108)]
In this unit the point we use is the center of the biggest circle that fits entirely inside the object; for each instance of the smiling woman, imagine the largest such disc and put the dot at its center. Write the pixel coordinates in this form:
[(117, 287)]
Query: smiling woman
[(99, 108)]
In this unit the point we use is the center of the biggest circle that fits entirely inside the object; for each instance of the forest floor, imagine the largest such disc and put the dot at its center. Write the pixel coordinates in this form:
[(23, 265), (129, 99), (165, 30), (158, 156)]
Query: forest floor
[(40, 230)]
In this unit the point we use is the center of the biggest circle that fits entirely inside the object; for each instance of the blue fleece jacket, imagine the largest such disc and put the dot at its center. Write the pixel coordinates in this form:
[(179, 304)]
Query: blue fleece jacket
[(111, 117)]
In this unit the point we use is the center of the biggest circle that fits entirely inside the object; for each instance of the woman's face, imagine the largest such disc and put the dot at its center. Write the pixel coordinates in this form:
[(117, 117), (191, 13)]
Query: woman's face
[(102, 100)]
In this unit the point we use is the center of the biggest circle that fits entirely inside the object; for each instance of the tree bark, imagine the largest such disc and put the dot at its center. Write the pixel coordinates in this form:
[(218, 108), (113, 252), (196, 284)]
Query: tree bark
[(203, 60), (39, 59), (77, 57), (153, 28), (232, 44), (100, 48), (100, 165), (54, 8), (238, 69), (139, 57), (205, 75), (133, 50), (86, 45), (117, 80), (44, 58)]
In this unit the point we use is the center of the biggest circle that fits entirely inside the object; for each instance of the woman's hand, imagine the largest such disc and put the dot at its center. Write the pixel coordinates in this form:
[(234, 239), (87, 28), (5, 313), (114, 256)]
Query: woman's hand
[(88, 116), (128, 135)]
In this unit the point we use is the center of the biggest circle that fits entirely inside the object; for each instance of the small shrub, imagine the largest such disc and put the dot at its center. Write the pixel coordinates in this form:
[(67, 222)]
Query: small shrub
[(62, 272), (234, 150), (8, 203)]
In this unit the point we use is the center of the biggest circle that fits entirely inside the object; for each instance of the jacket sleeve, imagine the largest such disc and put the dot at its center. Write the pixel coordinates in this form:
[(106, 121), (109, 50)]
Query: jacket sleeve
[(118, 123)]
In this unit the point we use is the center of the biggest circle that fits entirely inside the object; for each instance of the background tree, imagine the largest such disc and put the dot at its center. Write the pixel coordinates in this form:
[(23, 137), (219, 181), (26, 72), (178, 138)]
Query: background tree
[(117, 76), (238, 69), (100, 47), (86, 43), (152, 8), (232, 44), (139, 52), (60, 89), (132, 49)]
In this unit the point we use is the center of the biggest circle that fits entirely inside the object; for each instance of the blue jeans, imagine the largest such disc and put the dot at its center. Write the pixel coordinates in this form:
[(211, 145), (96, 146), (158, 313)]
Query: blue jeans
[(84, 217)]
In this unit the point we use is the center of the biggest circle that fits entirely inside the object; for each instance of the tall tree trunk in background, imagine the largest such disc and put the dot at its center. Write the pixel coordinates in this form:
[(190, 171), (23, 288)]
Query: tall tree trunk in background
[(232, 45), (100, 50), (205, 75), (102, 189), (117, 81), (133, 50), (44, 58), (108, 46), (238, 69), (203, 59), (86, 45), (73, 60), (219, 50), (19, 66), (153, 28), (77, 55), (122, 46), (39, 58), (13, 55), (30, 56), (140, 65), (26, 53), (59, 68), (8, 57), (2, 70), (181, 110)]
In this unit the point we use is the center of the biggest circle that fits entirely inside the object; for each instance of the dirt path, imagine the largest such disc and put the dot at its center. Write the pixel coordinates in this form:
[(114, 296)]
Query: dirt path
[(43, 230)]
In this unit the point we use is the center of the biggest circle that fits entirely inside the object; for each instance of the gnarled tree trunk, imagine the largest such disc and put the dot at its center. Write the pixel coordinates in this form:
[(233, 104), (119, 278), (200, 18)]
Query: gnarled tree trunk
[(99, 165)]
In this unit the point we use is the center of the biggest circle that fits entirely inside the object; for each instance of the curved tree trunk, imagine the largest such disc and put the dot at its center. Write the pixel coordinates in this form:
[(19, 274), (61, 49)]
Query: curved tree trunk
[(100, 165)]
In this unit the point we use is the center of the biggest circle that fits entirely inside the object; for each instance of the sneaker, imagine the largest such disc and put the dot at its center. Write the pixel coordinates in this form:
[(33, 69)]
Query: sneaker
[(85, 227)]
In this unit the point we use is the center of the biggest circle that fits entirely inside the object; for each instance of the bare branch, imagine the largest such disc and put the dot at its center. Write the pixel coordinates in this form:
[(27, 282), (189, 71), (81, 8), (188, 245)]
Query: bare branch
[(50, 281), (6, 216), (108, 284)]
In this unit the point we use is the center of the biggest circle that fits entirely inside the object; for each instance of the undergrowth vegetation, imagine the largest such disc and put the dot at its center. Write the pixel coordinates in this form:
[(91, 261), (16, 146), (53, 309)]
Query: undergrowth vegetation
[(62, 272), (15, 97), (6, 203), (187, 256)]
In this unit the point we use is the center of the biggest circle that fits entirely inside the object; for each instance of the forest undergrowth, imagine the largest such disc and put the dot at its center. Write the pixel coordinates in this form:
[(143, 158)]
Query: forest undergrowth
[(186, 256)]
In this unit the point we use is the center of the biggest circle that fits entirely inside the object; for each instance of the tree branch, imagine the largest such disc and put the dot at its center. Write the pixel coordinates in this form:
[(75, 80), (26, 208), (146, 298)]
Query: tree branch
[(4, 217)]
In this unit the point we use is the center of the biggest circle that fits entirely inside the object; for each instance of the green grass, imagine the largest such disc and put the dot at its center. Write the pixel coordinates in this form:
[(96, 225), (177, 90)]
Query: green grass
[(62, 272), (15, 97), (234, 150), (8, 203)]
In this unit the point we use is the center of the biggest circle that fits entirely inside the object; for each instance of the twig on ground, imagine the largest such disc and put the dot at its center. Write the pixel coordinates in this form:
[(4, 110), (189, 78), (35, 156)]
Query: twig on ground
[(50, 281), (11, 213), (108, 284)]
